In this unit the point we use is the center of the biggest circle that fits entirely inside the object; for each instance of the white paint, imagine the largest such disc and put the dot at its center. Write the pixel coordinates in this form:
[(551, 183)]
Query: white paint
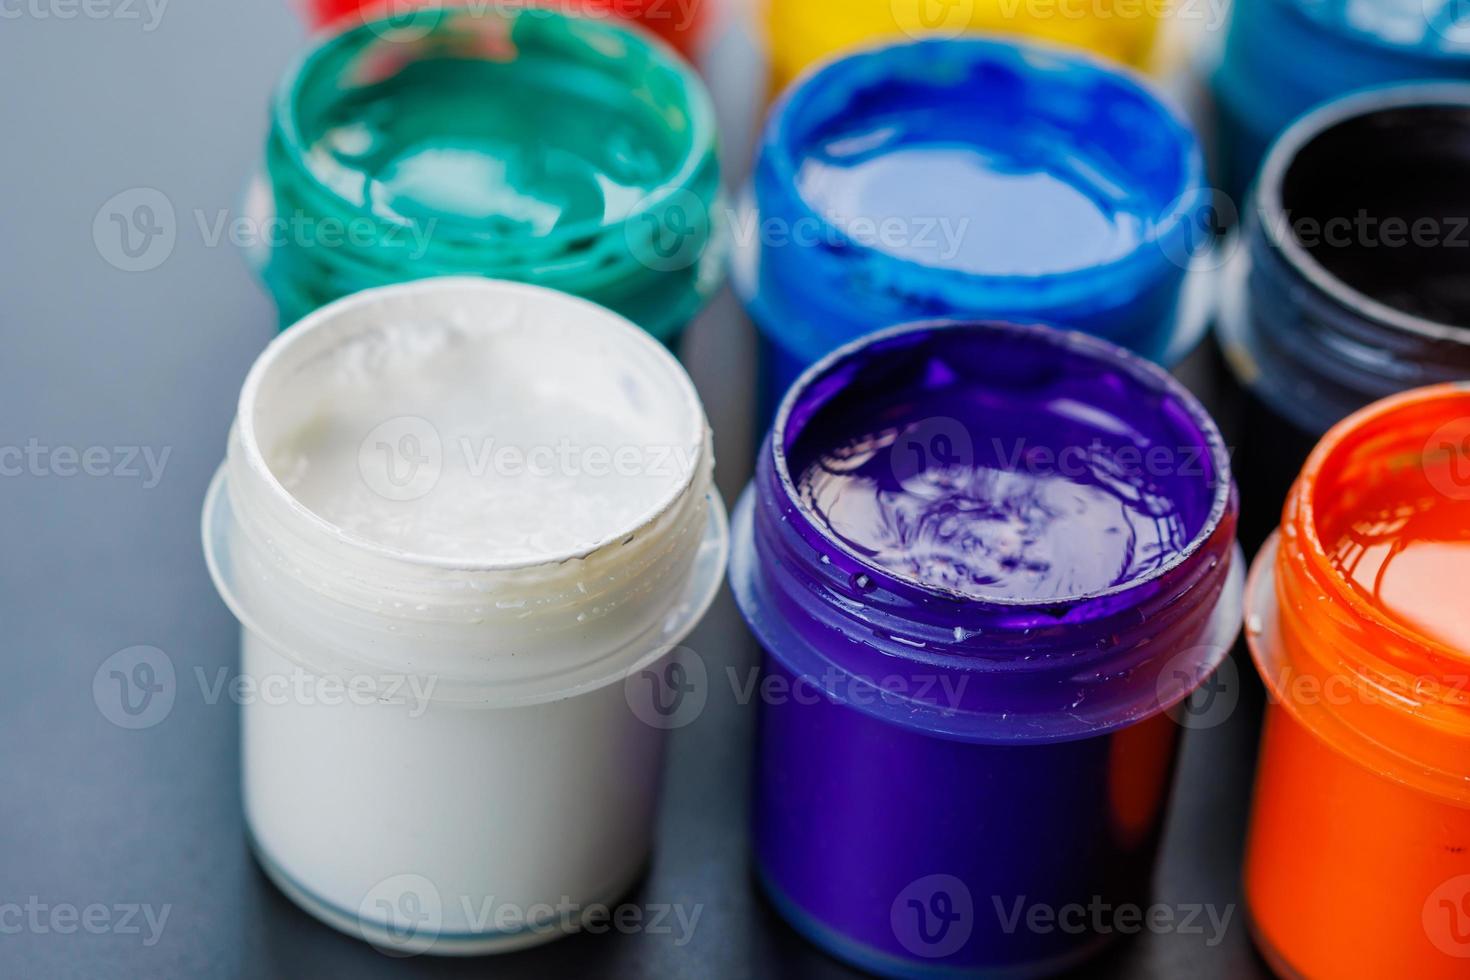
[(517, 601)]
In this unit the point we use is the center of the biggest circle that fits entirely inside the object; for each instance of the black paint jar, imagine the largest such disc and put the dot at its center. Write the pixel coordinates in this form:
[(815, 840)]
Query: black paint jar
[(1351, 281)]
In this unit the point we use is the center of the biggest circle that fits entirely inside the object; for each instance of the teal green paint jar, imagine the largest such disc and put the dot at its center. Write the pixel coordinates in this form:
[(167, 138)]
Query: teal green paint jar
[(518, 144)]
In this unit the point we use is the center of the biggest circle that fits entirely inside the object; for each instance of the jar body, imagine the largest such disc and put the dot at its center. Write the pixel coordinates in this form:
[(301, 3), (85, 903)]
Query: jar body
[(1348, 873), (1280, 62), (502, 825), (901, 851), (804, 32)]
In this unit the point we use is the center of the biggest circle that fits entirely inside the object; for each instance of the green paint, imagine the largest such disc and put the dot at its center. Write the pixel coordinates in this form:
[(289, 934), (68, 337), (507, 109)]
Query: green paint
[(519, 145)]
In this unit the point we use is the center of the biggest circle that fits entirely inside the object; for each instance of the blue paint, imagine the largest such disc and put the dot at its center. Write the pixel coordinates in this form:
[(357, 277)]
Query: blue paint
[(1284, 57), (969, 177)]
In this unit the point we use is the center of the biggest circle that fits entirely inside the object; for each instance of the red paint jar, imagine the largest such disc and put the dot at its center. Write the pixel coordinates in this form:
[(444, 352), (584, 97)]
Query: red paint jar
[(679, 22)]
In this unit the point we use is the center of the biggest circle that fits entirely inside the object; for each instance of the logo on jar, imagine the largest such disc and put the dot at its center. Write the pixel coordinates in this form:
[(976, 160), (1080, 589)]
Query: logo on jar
[(1212, 679), (402, 459), (401, 915), (946, 19), (1447, 917), (135, 688), (136, 229), (934, 916), (931, 454), (1447, 459), (670, 693), (668, 233)]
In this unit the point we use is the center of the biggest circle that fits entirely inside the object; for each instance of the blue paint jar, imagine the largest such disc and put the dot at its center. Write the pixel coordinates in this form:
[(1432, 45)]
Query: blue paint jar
[(1349, 282), (985, 562), (967, 177), (1283, 57)]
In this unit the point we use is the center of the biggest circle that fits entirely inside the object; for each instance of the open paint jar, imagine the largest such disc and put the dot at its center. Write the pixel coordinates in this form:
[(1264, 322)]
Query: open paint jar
[(984, 562), (455, 518), (969, 178), (1283, 57), (1358, 862), (1350, 282), (680, 22), (804, 32), (407, 148)]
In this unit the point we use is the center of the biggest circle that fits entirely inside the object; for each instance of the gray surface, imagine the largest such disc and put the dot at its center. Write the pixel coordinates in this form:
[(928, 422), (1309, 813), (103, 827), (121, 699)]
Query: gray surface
[(93, 813)]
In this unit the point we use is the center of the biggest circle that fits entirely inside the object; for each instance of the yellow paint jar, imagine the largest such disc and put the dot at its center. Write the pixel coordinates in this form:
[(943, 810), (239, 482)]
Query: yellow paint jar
[(805, 31)]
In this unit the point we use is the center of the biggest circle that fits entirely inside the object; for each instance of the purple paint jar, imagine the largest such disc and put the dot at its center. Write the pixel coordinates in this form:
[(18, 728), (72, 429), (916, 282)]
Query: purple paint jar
[(986, 563)]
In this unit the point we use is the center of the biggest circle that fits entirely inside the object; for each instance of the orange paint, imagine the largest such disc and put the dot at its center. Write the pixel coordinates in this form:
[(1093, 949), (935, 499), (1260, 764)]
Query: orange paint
[(1358, 615)]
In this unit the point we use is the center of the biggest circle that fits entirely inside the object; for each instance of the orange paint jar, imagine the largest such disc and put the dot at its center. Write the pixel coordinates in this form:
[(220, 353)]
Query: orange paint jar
[(1358, 616)]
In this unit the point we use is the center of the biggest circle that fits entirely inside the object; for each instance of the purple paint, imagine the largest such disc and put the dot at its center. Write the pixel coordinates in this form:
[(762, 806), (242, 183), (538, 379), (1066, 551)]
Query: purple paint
[(984, 561)]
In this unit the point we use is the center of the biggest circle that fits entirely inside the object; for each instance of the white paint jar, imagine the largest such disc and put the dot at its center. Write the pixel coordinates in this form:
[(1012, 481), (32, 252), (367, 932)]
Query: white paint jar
[(442, 746)]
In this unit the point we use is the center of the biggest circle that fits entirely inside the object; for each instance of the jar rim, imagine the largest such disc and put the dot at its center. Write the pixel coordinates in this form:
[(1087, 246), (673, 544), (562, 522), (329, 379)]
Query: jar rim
[(697, 101), (844, 73), (1283, 154), (1303, 512), (324, 318), (1142, 371)]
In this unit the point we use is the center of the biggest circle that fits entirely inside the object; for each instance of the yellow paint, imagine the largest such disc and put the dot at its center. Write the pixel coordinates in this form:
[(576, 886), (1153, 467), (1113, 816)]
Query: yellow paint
[(805, 31)]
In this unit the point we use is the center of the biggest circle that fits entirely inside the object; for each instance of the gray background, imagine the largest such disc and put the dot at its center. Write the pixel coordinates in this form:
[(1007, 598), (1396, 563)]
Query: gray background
[(103, 100)]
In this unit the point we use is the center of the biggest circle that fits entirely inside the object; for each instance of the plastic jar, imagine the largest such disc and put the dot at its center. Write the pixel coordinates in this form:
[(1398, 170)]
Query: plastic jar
[(970, 178), (1358, 862), (521, 145), (1284, 57), (1336, 299), (803, 32), (967, 678), (440, 600), (680, 22)]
